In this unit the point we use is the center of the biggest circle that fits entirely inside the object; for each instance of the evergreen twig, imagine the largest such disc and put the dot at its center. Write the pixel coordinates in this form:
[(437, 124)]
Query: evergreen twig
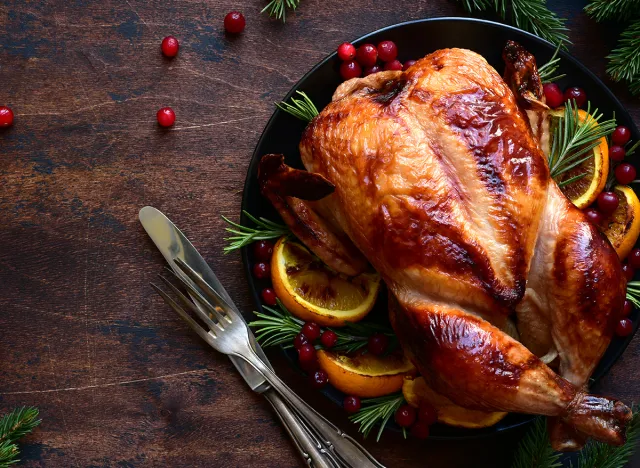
[(377, 410), (303, 109), (534, 451), (601, 10), (624, 60), (13, 426), (244, 235), (547, 72), (278, 8)]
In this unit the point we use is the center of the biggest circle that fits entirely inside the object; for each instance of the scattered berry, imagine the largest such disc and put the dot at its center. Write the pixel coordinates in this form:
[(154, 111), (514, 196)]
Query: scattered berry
[(553, 95), (170, 46), (377, 344), (576, 94), (594, 216), (328, 339), (408, 64), (617, 153), (393, 65), (346, 51), (234, 22), (351, 404), (166, 117), (6, 116), (311, 330), (420, 430), (350, 69), (269, 296), (319, 379), (624, 327), (427, 413), (634, 259), (387, 51), (263, 250), (367, 55), (261, 270), (627, 309), (300, 340), (628, 272), (621, 135), (625, 173), (371, 70), (608, 202), (307, 353), (405, 416)]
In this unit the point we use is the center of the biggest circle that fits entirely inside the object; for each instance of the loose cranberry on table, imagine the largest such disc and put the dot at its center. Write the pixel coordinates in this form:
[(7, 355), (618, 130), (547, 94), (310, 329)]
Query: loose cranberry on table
[(634, 258), (328, 339), (350, 69), (393, 65), (408, 64), (300, 340), (170, 46), (6, 116), (617, 153), (627, 309), (624, 327), (351, 404), (625, 173), (553, 95), (621, 135), (263, 250), (628, 271), (372, 70), (261, 270), (307, 353), (575, 94), (346, 51), (367, 55), (405, 416), (311, 330), (269, 296), (378, 344), (594, 216), (166, 117), (427, 413), (608, 202), (319, 379), (420, 430), (234, 22), (387, 51)]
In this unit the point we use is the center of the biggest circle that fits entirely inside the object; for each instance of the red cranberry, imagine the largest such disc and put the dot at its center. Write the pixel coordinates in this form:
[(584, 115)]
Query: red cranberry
[(351, 404), (628, 272), (427, 413), (405, 416), (311, 330), (624, 327), (553, 95), (576, 94), (6, 116), (608, 202), (170, 46), (378, 344), (393, 65), (625, 173), (269, 296), (234, 22), (307, 353), (328, 339), (627, 309), (367, 55), (387, 51), (408, 63), (617, 153), (621, 135), (350, 69), (420, 430), (263, 250), (346, 51), (261, 270), (594, 216), (166, 117), (634, 258), (300, 340), (372, 70), (319, 379)]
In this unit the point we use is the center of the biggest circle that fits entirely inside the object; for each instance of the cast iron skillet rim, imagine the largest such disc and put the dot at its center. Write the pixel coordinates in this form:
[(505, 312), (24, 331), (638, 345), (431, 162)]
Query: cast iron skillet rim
[(255, 159)]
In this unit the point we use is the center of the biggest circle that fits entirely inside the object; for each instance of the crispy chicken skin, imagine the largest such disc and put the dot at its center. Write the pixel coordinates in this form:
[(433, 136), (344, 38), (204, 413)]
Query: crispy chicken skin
[(435, 177)]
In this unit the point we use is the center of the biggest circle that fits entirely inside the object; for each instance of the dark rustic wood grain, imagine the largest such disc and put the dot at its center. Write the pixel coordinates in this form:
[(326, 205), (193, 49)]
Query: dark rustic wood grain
[(118, 378)]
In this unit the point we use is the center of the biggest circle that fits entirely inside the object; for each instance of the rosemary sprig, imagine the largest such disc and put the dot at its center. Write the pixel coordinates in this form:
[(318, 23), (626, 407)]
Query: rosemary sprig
[(13, 426), (277, 8), (245, 235), (377, 410), (548, 70), (633, 293), (303, 109)]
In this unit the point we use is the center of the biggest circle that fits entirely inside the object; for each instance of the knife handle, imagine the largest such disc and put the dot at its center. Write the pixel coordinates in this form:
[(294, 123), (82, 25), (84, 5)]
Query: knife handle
[(310, 448)]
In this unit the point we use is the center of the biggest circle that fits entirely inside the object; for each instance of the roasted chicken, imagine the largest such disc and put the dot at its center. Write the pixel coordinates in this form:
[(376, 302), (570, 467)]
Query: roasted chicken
[(435, 178)]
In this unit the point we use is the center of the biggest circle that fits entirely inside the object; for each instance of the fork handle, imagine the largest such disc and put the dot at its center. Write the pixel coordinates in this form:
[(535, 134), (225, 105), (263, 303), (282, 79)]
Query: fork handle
[(346, 449)]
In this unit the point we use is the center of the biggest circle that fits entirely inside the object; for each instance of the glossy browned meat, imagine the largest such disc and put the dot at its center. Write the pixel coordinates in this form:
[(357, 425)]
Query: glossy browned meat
[(440, 183)]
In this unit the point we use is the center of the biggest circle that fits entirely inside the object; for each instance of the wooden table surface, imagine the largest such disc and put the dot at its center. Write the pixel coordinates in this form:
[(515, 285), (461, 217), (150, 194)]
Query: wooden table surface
[(119, 380)]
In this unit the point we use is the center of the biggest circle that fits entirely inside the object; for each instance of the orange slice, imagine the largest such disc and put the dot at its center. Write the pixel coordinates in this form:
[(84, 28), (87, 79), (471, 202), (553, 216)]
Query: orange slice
[(584, 191), (314, 292), (622, 228), (416, 391), (364, 375)]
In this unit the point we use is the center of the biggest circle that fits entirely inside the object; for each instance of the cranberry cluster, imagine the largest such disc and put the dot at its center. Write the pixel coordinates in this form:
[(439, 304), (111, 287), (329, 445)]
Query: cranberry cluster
[(368, 59), (418, 420), (555, 97), (262, 251)]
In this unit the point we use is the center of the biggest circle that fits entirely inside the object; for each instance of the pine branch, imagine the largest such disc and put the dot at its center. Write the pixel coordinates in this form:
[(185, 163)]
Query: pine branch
[(13, 426), (534, 451), (277, 8), (624, 61), (245, 235), (303, 109), (601, 10), (377, 410)]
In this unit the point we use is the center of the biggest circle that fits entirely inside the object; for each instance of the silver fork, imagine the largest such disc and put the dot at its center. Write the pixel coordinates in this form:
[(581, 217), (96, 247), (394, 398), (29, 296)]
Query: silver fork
[(229, 335)]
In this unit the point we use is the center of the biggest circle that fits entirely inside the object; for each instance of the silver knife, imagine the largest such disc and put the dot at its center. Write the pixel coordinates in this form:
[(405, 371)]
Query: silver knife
[(173, 244)]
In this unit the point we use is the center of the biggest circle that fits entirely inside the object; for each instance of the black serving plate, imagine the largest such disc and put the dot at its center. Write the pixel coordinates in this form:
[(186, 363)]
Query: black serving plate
[(415, 39)]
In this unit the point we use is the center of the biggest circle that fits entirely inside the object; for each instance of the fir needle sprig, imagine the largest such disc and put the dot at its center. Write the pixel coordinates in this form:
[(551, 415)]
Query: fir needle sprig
[(601, 10), (534, 451), (278, 8), (13, 426), (548, 71), (303, 109), (377, 410), (244, 235), (624, 60)]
